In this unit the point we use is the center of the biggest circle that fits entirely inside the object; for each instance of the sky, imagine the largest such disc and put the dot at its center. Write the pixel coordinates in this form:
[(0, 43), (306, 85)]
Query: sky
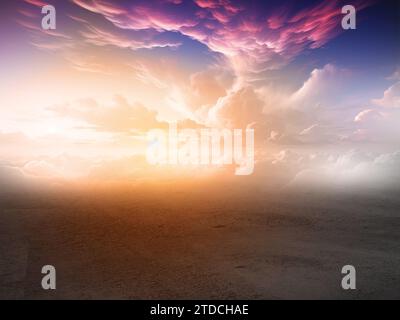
[(77, 101)]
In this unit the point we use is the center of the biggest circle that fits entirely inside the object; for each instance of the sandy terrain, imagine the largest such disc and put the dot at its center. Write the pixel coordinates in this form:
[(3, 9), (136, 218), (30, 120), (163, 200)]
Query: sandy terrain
[(176, 244)]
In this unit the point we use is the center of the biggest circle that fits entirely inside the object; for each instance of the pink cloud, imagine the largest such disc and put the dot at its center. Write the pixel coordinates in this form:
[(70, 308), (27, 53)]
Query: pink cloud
[(207, 4), (101, 7), (231, 29), (250, 37), (37, 3)]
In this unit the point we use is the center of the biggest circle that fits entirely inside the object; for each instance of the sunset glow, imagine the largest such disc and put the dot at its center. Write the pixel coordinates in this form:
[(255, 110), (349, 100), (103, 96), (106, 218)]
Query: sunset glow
[(92, 88)]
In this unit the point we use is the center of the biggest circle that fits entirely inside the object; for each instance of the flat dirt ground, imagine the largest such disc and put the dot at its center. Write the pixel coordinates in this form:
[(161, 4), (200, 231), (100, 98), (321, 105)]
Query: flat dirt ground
[(205, 242)]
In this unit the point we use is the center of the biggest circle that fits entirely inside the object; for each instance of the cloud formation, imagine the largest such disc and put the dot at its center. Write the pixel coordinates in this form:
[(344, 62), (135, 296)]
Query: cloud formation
[(253, 38), (391, 97), (120, 117), (350, 170)]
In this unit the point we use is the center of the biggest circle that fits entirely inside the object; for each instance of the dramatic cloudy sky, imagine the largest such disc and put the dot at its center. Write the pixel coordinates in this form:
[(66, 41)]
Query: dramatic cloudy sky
[(77, 101)]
